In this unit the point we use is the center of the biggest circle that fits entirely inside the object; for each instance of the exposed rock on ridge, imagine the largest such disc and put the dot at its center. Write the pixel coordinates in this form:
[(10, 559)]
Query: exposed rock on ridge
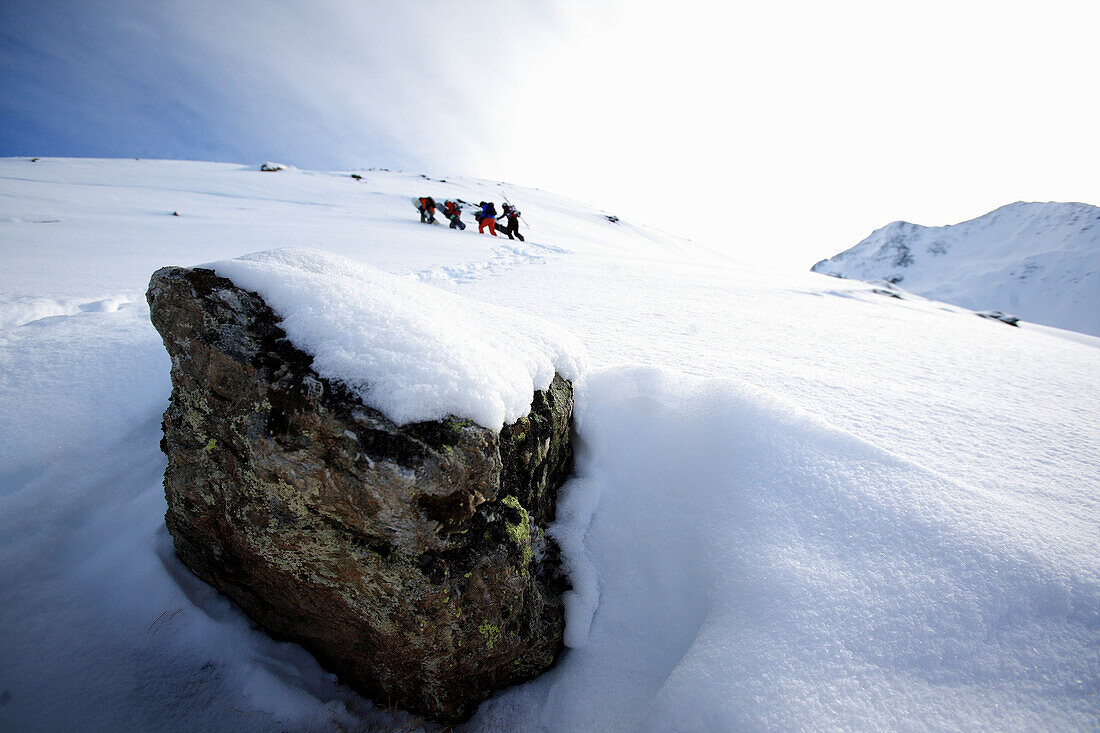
[(410, 560)]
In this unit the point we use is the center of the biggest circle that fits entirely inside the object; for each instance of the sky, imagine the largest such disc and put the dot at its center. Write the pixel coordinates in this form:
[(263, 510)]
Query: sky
[(778, 132)]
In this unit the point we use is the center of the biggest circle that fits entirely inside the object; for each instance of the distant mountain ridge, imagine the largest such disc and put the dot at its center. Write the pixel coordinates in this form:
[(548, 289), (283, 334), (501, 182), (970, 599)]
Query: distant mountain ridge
[(1040, 261)]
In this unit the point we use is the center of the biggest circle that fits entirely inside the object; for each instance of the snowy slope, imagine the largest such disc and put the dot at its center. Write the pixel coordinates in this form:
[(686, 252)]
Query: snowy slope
[(1039, 261), (799, 504)]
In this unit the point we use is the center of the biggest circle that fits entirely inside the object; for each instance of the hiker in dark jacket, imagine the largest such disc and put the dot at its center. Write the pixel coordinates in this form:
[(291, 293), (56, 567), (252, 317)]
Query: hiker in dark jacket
[(512, 226), (453, 212), (488, 218)]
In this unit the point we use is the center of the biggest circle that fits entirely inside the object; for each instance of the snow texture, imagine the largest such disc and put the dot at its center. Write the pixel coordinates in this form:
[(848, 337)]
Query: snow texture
[(799, 504), (1039, 261)]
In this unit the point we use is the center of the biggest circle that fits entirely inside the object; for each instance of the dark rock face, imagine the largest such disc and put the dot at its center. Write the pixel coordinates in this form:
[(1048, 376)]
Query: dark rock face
[(411, 561)]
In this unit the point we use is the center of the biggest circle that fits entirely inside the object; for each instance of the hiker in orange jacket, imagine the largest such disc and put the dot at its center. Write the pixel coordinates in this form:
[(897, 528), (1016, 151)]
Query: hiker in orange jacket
[(427, 210)]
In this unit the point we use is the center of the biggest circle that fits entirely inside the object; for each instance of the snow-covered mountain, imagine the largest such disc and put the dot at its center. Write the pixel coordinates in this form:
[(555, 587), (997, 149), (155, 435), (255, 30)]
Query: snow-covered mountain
[(798, 504), (1039, 261)]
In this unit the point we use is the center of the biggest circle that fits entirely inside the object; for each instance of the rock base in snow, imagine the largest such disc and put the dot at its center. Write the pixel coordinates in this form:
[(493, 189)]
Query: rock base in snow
[(411, 561)]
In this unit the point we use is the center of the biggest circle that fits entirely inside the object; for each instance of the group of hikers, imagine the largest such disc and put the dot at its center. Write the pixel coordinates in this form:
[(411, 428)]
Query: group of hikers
[(486, 216)]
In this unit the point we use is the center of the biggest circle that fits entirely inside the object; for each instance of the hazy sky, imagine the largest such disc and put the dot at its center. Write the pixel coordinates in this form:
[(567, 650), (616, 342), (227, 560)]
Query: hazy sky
[(782, 131)]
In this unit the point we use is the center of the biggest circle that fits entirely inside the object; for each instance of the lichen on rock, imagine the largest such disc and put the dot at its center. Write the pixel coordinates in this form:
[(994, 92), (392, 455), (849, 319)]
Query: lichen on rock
[(411, 560), (519, 531)]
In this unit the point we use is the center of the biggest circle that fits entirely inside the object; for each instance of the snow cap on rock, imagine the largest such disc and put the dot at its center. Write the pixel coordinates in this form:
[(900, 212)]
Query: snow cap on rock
[(410, 350)]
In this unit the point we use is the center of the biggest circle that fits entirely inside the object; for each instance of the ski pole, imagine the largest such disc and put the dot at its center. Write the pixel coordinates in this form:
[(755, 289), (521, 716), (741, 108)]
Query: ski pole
[(505, 197)]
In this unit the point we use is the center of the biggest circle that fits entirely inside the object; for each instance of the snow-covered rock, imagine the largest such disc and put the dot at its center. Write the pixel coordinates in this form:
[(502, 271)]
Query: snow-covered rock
[(413, 352), (411, 560), (1040, 261)]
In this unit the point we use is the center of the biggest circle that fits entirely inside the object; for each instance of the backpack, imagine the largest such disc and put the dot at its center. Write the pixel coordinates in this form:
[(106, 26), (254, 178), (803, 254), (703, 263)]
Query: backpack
[(491, 209)]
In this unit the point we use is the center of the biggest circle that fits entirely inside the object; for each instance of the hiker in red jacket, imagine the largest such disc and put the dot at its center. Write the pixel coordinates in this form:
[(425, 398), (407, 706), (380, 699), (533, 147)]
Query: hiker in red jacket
[(453, 212), (427, 210), (513, 222)]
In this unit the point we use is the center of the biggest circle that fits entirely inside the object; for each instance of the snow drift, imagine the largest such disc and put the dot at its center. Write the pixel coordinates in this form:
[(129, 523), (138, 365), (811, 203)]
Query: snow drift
[(776, 573)]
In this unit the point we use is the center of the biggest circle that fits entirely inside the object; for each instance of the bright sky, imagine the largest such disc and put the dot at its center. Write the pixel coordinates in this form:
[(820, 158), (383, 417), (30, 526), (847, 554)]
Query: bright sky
[(773, 131)]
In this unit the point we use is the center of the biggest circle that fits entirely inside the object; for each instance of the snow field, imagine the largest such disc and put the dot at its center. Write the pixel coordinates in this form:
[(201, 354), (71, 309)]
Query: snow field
[(798, 504), (78, 228)]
